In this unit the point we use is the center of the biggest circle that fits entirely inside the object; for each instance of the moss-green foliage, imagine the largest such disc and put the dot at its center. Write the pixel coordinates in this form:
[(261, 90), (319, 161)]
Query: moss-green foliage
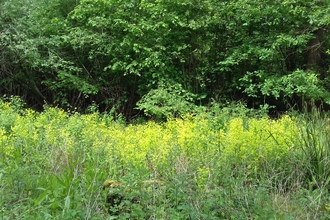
[(210, 166)]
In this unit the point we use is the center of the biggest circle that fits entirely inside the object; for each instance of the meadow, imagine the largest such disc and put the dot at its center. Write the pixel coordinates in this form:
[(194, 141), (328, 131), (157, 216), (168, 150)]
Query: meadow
[(225, 163)]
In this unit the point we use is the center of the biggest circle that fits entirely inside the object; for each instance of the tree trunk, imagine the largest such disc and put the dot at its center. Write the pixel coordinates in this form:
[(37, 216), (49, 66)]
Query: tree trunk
[(314, 60)]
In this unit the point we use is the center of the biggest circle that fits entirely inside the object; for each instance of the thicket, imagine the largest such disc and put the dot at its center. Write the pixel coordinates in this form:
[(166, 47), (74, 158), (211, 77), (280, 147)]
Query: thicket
[(228, 163), (164, 58)]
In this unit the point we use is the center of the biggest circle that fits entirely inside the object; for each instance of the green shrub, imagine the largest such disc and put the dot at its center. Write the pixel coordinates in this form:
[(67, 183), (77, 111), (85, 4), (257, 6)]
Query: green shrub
[(168, 100)]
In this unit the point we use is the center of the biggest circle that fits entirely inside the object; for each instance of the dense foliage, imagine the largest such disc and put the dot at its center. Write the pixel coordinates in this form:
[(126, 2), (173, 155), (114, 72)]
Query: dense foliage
[(129, 55), (217, 165)]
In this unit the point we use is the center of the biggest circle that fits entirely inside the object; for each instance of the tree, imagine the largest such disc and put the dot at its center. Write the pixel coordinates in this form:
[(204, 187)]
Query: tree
[(116, 52)]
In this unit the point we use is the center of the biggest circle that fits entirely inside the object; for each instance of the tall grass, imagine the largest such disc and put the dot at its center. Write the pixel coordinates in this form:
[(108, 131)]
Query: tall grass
[(217, 165), (314, 140)]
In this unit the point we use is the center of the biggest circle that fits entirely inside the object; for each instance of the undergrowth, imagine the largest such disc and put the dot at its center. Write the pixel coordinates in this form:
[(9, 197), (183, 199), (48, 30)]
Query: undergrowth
[(222, 164)]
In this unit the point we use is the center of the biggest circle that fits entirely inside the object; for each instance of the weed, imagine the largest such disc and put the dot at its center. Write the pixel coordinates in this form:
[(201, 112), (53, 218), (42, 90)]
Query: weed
[(224, 164)]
